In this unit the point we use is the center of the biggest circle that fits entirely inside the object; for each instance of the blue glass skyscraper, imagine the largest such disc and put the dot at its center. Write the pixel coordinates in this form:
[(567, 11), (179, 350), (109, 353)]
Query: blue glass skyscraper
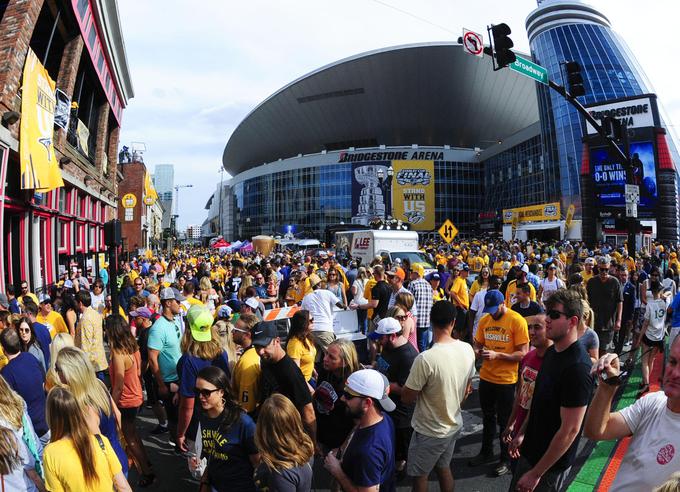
[(560, 31)]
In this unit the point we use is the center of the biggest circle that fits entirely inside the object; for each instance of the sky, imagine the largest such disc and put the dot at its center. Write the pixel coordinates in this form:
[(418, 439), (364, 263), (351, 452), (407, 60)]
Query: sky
[(197, 72)]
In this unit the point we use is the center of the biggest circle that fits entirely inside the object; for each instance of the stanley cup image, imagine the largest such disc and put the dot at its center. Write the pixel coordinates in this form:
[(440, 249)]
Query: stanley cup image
[(371, 200)]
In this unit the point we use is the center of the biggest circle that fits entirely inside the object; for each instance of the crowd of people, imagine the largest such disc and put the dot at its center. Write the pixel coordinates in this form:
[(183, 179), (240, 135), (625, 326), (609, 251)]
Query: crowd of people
[(250, 403)]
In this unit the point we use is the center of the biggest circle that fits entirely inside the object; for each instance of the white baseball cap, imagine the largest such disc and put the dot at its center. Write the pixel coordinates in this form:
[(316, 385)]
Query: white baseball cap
[(371, 383), (252, 302), (386, 326)]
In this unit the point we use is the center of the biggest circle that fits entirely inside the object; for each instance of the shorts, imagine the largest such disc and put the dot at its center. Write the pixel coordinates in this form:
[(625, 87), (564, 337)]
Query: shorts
[(151, 387), (605, 337), (129, 413), (322, 339), (426, 453), (652, 343)]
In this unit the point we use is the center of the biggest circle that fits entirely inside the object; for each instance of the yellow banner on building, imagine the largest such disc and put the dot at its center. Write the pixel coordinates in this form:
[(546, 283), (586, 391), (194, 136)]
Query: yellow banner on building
[(150, 195), (533, 213), (39, 166), (413, 193)]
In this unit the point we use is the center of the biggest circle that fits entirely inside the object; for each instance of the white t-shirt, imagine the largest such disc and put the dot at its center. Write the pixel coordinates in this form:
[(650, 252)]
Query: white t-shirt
[(654, 450), (656, 315), (478, 307), (359, 285), (550, 286), (441, 374), (320, 303)]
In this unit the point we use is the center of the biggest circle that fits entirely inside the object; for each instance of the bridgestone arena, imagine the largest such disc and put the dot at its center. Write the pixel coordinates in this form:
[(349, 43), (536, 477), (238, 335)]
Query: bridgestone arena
[(426, 132)]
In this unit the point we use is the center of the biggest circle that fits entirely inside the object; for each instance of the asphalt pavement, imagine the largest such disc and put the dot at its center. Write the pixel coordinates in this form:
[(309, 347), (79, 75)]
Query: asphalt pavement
[(173, 475)]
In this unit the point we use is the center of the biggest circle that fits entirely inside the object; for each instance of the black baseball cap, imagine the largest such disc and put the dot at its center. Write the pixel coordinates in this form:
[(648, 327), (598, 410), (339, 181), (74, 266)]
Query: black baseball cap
[(263, 333)]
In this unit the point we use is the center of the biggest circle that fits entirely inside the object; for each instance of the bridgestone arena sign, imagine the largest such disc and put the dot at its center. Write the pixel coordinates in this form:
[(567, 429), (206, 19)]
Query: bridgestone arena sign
[(391, 156), (634, 113)]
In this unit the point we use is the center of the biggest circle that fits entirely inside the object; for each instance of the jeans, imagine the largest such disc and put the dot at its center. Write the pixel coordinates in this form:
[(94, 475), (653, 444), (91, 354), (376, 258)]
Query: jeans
[(496, 402), (424, 339), (362, 317)]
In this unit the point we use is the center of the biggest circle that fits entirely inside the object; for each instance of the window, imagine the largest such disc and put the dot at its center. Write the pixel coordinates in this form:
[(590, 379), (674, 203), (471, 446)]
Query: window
[(62, 200), (40, 39), (62, 235), (80, 236)]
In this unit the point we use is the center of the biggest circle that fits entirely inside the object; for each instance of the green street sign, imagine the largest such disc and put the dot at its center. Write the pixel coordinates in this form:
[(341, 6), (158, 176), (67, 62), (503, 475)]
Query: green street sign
[(530, 69)]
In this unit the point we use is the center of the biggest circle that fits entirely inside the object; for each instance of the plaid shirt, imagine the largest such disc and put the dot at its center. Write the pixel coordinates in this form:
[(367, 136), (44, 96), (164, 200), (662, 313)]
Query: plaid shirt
[(422, 292)]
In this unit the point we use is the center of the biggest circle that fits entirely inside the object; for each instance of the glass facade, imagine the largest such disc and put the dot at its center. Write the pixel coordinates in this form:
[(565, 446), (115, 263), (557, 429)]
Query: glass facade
[(519, 177), (312, 198), (609, 72)]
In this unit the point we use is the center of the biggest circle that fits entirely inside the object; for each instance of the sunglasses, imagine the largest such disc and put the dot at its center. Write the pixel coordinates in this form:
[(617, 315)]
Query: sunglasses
[(555, 314), (24, 330), (401, 317), (205, 393), (311, 320), (349, 396)]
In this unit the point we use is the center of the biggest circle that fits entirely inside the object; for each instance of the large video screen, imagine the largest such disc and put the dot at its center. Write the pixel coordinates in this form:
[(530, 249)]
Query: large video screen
[(609, 177)]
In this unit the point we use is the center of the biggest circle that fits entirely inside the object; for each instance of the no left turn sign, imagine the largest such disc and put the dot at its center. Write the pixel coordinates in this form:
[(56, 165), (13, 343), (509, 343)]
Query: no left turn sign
[(473, 43)]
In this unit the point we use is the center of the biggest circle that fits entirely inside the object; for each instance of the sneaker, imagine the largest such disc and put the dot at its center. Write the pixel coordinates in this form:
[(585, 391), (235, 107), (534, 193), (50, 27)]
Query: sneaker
[(160, 429), (502, 469), (481, 459)]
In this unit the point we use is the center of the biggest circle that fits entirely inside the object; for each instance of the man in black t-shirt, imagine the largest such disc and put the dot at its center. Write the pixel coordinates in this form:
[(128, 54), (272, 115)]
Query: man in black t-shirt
[(395, 362), (605, 296), (281, 375), (561, 395), (380, 295), (524, 305)]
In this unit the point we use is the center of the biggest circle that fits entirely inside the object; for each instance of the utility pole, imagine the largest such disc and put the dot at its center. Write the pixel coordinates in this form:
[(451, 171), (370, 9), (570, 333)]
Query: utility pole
[(220, 212), (175, 216)]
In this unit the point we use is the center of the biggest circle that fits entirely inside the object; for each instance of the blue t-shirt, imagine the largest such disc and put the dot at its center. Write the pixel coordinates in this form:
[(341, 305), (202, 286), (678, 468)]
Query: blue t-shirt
[(42, 334), (369, 457), (228, 452), (675, 305), (188, 368), (164, 336), (109, 428), (25, 375)]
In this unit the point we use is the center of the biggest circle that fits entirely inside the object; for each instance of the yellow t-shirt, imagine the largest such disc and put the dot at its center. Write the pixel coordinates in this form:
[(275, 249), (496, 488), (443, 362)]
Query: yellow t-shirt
[(498, 268), (367, 294), (510, 293), (194, 302), (107, 312), (502, 335), (476, 264), (64, 473), (476, 287), (459, 288), (297, 350), (54, 322), (246, 376), (587, 276), (3, 358)]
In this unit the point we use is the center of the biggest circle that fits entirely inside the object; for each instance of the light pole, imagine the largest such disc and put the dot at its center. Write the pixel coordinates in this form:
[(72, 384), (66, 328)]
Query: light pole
[(220, 212), (175, 216)]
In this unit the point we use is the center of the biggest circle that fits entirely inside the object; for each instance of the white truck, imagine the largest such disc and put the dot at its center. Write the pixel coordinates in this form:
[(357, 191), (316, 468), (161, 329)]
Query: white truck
[(367, 244)]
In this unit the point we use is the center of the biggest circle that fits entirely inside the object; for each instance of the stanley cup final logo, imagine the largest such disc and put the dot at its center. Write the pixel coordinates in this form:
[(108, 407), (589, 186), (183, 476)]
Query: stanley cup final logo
[(371, 199)]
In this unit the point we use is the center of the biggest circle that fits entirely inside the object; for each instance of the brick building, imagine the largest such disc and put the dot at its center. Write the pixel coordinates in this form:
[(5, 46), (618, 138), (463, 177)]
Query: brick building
[(141, 223), (79, 43)]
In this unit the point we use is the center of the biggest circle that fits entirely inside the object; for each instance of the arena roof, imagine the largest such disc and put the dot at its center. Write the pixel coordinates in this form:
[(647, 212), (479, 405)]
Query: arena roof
[(426, 94)]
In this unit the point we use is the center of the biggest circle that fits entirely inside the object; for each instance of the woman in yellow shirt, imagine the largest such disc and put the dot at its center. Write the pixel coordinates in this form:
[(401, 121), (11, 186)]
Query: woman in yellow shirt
[(300, 345), (76, 460)]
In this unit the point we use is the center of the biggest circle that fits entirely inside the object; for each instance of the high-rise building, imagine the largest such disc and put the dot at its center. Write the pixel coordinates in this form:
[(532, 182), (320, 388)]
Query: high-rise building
[(164, 182), (569, 30)]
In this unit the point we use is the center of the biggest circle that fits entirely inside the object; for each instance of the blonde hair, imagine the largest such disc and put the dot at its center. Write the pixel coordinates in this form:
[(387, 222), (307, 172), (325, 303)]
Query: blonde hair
[(670, 485), (9, 452), (279, 435), (405, 299), (588, 318), (224, 328), (348, 354), (66, 420), (60, 341), (79, 377), (11, 403), (203, 350), (205, 283)]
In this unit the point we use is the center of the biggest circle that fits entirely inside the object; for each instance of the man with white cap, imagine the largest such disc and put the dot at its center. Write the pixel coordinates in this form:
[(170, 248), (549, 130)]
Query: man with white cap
[(320, 303), (588, 271), (395, 363), (439, 381), (366, 460)]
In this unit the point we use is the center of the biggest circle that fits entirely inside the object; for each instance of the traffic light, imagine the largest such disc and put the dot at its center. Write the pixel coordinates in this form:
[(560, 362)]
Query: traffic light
[(574, 79), (613, 127), (501, 45)]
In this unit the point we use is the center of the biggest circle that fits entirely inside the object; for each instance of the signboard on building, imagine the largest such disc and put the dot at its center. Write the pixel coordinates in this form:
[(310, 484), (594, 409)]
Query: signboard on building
[(129, 200), (533, 213), (402, 189), (608, 176), (39, 167), (636, 112)]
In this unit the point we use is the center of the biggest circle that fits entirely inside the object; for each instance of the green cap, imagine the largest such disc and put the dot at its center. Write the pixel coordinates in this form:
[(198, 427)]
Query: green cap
[(200, 322)]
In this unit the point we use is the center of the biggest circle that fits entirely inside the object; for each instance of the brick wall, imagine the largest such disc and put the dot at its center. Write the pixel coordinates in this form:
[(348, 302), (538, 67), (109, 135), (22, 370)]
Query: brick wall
[(16, 29)]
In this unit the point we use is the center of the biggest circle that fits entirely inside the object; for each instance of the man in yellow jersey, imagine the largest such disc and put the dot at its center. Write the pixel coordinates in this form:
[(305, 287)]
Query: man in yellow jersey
[(502, 339), (51, 319), (461, 299), (247, 370)]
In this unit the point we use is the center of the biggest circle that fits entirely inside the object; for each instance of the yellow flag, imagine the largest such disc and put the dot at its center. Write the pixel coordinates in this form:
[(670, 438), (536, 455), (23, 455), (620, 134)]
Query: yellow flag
[(39, 166), (150, 195)]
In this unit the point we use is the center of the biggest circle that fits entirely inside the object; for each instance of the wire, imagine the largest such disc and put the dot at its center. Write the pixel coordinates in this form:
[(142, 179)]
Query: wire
[(385, 4)]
